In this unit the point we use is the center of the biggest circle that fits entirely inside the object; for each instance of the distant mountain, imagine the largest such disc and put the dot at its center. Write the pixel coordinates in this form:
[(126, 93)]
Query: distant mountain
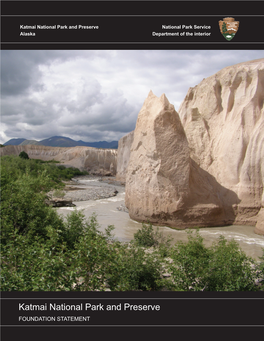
[(61, 141), (24, 143), (14, 142), (104, 144)]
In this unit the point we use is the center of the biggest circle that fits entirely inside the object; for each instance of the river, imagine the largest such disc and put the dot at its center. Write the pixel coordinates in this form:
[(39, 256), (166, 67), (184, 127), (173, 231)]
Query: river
[(108, 214)]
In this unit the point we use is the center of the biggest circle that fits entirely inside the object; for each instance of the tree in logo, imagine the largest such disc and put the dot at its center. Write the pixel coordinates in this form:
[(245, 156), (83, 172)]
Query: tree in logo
[(224, 29), (228, 27), (225, 33)]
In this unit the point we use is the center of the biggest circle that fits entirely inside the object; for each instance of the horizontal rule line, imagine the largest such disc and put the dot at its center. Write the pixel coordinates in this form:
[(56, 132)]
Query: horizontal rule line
[(129, 15), (134, 42), (136, 298), (136, 325)]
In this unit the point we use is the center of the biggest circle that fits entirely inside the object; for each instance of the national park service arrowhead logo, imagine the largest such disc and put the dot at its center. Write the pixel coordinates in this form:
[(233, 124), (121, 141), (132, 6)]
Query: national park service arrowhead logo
[(228, 27)]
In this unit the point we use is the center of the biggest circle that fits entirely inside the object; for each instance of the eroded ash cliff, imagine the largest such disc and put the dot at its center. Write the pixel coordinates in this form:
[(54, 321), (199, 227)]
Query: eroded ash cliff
[(93, 160), (203, 166)]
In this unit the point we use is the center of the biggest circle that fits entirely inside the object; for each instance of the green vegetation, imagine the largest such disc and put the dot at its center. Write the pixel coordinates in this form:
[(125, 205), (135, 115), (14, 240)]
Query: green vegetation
[(222, 267), (58, 193), (147, 237), (41, 251), (24, 155), (13, 168), (49, 161)]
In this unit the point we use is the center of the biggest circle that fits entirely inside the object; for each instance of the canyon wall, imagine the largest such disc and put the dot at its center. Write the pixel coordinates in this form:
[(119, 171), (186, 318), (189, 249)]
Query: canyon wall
[(93, 160), (123, 155), (205, 165), (223, 118)]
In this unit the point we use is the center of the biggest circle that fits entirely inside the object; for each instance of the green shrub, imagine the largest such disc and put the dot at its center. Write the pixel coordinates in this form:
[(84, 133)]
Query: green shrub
[(190, 263), (229, 268), (58, 193), (23, 208), (75, 227), (260, 271), (147, 237), (35, 264), (132, 269), (222, 267), (77, 259), (24, 155)]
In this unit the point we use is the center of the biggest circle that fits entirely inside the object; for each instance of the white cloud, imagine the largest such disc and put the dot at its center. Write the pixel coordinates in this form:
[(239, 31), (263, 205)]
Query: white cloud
[(96, 95)]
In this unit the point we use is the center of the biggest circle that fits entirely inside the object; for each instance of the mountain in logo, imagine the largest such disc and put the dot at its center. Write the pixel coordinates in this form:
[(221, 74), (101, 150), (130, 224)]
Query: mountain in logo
[(228, 27)]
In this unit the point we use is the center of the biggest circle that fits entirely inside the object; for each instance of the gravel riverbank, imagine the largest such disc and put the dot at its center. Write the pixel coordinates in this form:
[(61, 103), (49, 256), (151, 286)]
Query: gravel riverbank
[(90, 194), (82, 188)]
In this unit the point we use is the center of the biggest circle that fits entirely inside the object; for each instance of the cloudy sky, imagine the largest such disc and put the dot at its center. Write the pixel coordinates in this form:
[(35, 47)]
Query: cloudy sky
[(96, 95)]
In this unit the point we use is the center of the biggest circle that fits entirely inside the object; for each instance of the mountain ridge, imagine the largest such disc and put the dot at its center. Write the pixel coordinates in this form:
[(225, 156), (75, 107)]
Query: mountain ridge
[(62, 141)]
